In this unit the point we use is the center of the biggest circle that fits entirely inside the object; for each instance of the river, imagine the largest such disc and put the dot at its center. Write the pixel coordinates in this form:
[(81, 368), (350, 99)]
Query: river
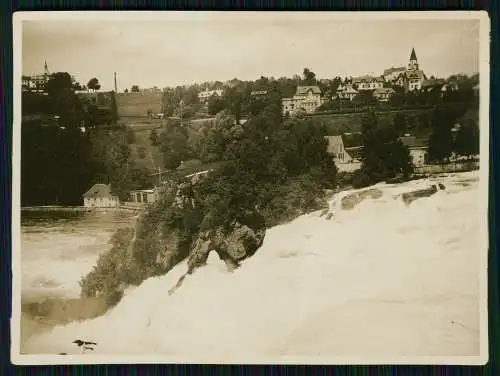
[(57, 249)]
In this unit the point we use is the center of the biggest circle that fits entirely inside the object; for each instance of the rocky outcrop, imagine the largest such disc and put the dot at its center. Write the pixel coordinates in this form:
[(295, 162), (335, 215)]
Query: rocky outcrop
[(232, 243), (409, 197), (352, 200)]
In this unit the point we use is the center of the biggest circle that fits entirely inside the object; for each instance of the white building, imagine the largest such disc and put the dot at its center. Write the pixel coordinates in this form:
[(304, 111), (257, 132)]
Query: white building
[(346, 92), (306, 98), (100, 196), (206, 94), (143, 196), (368, 83), (383, 94), (418, 151), (344, 161), (37, 82)]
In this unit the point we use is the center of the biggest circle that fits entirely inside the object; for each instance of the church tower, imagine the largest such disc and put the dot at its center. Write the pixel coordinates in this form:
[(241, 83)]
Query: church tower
[(46, 69), (413, 63)]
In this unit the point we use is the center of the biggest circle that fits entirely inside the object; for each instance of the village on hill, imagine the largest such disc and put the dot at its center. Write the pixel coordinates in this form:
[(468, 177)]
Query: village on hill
[(403, 97)]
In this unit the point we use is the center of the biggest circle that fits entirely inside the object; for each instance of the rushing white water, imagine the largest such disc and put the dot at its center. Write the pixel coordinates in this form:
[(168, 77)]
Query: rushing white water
[(57, 249), (380, 279)]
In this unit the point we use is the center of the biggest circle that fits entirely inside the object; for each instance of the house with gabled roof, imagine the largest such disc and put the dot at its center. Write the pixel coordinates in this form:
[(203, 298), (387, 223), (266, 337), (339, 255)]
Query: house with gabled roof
[(417, 148), (383, 94), (100, 196), (346, 92), (342, 157), (306, 98), (368, 82)]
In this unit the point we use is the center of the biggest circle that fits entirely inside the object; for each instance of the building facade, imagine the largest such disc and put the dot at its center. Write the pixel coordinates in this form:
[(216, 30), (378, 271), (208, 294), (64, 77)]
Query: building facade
[(346, 92), (36, 83), (383, 94), (417, 148), (410, 78), (306, 98), (414, 77), (368, 83), (100, 196), (206, 94), (143, 196)]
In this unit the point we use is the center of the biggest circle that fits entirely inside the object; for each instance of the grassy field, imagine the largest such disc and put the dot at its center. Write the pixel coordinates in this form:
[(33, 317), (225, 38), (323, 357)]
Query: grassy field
[(138, 104), (142, 149), (351, 122)]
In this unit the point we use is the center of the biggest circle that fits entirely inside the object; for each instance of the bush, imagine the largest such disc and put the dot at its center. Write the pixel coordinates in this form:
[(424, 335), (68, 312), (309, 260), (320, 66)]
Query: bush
[(360, 179), (112, 269)]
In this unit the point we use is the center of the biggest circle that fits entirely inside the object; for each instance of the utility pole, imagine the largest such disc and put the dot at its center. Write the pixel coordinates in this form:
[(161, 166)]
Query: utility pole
[(116, 86)]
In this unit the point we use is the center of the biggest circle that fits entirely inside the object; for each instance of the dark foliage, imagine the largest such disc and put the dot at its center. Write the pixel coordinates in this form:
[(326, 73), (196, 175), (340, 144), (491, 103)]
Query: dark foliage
[(384, 156)]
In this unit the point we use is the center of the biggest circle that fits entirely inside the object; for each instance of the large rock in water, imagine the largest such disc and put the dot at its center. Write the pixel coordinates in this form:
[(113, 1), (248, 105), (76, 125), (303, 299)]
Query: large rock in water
[(409, 197), (233, 243), (352, 200)]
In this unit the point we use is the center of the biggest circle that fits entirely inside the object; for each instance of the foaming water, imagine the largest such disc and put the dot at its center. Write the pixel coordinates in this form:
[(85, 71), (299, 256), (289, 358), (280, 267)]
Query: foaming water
[(57, 249), (382, 278)]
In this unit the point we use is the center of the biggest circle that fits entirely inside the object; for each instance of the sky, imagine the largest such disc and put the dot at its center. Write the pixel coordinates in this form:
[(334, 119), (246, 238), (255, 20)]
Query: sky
[(186, 47)]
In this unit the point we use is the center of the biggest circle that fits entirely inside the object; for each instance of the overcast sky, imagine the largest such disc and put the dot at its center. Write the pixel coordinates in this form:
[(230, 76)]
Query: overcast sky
[(182, 50)]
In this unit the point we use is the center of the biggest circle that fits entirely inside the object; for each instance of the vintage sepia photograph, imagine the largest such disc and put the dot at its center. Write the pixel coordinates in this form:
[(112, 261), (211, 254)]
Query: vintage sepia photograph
[(250, 187)]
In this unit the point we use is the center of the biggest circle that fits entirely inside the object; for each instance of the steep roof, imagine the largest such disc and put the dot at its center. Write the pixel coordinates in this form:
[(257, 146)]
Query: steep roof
[(415, 74), (355, 152), (413, 55), (347, 89), (99, 191), (303, 90), (333, 143), (366, 77)]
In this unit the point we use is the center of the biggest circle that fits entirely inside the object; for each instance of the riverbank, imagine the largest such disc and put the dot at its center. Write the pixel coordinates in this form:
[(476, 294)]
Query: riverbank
[(80, 209)]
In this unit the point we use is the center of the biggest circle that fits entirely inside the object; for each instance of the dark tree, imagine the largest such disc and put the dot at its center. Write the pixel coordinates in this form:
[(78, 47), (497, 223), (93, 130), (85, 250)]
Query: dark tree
[(130, 136), (384, 156), (215, 105), (309, 77), (467, 140), (153, 137), (58, 82), (440, 144), (94, 84), (400, 124), (134, 89), (174, 146), (114, 108)]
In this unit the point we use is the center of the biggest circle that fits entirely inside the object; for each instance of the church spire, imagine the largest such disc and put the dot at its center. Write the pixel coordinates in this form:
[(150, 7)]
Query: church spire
[(413, 63), (46, 68), (413, 55)]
